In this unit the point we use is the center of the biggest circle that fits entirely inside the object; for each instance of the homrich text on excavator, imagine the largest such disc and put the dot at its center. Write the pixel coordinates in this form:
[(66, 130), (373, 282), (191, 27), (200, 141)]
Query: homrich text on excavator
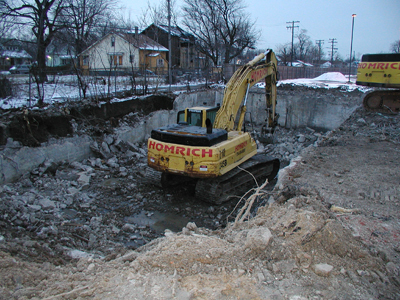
[(383, 72), (209, 145)]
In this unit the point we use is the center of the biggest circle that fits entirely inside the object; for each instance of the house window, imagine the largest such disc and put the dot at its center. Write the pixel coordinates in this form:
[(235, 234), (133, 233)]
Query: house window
[(131, 58), (112, 41), (160, 63), (85, 60), (116, 60)]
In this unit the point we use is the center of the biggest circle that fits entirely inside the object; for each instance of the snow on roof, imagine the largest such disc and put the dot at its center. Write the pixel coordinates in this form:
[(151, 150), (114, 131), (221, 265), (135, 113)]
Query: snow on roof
[(15, 54), (301, 63), (154, 54), (144, 42)]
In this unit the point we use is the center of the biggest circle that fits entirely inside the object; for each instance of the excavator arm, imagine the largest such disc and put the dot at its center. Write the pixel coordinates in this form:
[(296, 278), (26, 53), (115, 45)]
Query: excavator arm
[(263, 66)]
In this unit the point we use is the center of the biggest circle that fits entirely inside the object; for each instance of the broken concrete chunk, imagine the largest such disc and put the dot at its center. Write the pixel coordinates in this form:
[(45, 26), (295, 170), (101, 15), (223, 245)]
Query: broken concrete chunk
[(84, 179), (301, 138), (323, 269), (109, 139), (191, 226), (258, 239), (47, 203)]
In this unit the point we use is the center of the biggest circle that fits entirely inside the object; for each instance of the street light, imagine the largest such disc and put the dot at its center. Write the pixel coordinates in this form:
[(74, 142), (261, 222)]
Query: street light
[(351, 44)]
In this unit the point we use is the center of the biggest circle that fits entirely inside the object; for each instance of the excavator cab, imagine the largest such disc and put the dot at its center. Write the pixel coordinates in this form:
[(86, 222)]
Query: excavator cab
[(197, 116)]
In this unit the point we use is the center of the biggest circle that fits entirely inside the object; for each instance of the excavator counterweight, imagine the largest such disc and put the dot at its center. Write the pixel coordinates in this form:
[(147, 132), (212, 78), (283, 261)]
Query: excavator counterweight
[(381, 71)]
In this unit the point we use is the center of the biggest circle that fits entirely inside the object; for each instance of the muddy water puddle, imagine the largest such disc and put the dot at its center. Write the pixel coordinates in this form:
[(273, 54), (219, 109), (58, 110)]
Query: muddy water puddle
[(159, 221)]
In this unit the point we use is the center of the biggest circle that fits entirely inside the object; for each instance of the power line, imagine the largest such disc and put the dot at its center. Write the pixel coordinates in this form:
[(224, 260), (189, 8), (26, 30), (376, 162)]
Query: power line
[(292, 27), (333, 42)]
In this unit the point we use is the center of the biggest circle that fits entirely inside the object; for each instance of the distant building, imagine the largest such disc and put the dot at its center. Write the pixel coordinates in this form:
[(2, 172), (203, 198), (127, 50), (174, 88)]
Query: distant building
[(59, 55), (12, 54), (128, 52), (326, 65), (300, 63), (184, 54)]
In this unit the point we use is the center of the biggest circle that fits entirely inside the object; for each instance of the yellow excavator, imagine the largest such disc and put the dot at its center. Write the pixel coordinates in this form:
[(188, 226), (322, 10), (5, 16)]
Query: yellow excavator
[(209, 145), (381, 71)]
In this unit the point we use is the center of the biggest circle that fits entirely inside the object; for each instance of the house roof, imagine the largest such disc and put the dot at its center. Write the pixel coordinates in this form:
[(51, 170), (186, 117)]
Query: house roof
[(175, 31), (143, 42), (301, 63), (15, 54)]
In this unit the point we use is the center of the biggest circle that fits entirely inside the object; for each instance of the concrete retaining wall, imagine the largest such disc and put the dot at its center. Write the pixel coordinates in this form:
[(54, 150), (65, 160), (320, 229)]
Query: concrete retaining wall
[(298, 106), (15, 163)]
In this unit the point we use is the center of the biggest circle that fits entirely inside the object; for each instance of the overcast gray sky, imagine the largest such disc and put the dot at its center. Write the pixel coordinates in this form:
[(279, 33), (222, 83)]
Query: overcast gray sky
[(376, 26)]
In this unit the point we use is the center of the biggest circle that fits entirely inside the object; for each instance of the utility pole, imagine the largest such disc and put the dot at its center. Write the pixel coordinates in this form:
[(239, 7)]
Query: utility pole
[(319, 43), (333, 42), (351, 44), (169, 45), (292, 27)]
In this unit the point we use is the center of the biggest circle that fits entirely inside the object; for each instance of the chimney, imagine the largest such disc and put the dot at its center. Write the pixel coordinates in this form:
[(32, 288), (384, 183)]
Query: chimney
[(136, 33)]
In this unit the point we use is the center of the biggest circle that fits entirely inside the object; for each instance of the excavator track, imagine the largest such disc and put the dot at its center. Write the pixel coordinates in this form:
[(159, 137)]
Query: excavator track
[(383, 101), (238, 181)]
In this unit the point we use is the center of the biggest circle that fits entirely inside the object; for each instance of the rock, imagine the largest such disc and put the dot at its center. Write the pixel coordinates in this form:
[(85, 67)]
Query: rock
[(392, 269), (84, 179), (191, 226), (114, 149), (113, 162), (323, 269), (361, 121), (47, 203), (185, 231), (168, 233), (76, 254), (34, 207), (130, 256), (128, 227), (72, 190), (48, 167), (109, 139), (284, 266), (301, 138), (258, 239), (304, 260)]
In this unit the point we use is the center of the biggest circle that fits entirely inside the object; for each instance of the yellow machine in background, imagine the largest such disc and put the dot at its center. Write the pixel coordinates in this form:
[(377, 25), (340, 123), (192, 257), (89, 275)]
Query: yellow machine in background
[(383, 71), (209, 144)]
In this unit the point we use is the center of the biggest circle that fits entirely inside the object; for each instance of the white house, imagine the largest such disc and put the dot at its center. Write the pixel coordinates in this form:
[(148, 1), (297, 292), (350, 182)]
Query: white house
[(123, 53)]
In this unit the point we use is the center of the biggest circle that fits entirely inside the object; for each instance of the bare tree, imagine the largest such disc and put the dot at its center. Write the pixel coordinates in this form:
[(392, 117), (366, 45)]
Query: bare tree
[(284, 53), (43, 19), (395, 47), (221, 28), (237, 30), (83, 16), (158, 14), (303, 46)]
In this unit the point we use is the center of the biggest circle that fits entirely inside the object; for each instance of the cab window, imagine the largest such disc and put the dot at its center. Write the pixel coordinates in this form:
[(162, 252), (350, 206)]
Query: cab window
[(194, 118)]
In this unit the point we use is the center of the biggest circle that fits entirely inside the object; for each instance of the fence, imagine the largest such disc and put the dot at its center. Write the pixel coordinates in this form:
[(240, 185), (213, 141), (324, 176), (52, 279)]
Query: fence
[(310, 72)]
